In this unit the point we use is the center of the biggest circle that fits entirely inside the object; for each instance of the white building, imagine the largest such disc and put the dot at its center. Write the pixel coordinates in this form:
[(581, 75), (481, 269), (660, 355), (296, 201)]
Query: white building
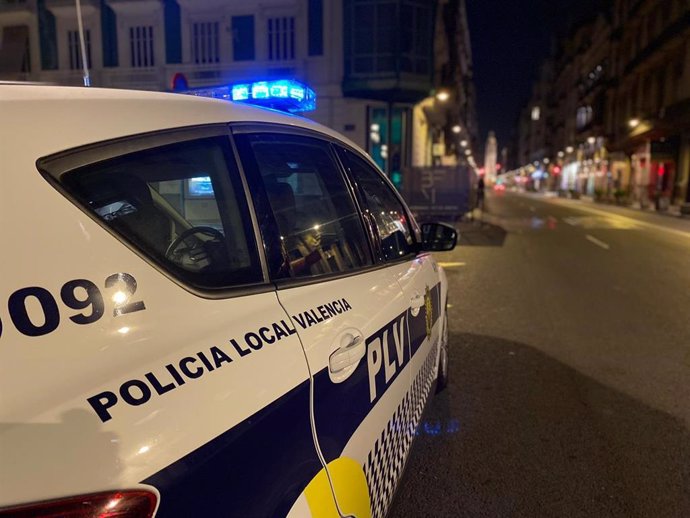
[(369, 61)]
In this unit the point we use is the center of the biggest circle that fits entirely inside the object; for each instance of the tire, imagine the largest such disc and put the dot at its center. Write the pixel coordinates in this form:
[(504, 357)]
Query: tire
[(442, 376)]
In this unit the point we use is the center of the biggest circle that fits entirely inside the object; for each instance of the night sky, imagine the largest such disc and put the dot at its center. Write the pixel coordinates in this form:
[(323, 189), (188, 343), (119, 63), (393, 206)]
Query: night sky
[(510, 38)]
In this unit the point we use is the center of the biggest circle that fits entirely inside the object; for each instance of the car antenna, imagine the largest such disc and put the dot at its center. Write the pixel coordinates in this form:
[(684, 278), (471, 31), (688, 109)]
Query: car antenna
[(82, 44)]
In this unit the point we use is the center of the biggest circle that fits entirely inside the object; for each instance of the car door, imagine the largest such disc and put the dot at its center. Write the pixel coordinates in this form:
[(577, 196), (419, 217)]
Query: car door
[(417, 273), (176, 345), (349, 311)]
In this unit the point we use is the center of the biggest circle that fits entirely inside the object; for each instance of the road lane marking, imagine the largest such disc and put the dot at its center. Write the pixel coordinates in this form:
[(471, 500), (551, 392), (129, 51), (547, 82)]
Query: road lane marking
[(594, 240), (450, 264)]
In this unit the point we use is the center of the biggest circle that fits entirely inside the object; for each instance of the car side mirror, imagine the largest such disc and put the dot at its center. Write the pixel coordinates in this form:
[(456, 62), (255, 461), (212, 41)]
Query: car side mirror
[(438, 237)]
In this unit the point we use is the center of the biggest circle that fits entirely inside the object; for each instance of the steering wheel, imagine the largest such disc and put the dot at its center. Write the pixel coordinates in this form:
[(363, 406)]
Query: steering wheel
[(172, 250)]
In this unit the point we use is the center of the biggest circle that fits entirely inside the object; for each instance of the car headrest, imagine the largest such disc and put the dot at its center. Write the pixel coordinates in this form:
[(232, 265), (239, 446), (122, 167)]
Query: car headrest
[(281, 196)]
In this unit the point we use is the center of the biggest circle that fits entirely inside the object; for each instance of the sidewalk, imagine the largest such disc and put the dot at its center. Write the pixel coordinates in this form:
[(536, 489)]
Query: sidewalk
[(671, 219), (673, 210)]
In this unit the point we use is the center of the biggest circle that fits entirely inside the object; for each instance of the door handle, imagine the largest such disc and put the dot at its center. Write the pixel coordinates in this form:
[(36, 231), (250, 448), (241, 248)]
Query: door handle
[(416, 304), (347, 354)]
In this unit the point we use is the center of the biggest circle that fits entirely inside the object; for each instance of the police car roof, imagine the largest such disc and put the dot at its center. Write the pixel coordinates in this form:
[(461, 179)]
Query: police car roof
[(40, 120)]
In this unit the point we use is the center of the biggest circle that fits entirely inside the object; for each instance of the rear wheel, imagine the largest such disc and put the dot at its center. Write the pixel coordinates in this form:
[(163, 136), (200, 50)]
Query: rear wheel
[(442, 376)]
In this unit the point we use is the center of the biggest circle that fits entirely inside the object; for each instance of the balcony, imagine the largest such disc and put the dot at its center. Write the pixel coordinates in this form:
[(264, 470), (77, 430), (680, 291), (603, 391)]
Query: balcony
[(673, 34), (11, 77), (133, 78), (70, 77), (135, 7), (72, 4), (61, 4), (68, 7), (135, 2), (18, 6), (388, 49)]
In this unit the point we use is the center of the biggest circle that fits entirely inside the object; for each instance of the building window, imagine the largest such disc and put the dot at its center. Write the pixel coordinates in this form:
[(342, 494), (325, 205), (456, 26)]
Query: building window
[(536, 113), (26, 57), (387, 37), (417, 37), (109, 36), (372, 43), (205, 47), (583, 117), (173, 31), (74, 49), (14, 50), (243, 38), (315, 27), (281, 38), (141, 46), (48, 38)]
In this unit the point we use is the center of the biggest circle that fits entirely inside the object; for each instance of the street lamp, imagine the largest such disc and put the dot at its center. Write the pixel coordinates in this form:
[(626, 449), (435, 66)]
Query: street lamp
[(561, 154), (591, 140), (463, 143), (546, 160), (569, 149), (634, 123), (456, 129), (468, 152), (443, 96)]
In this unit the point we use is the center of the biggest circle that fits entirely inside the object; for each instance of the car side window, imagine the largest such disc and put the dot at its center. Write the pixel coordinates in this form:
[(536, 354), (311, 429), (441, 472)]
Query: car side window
[(383, 205), (181, 205), (320, 228)]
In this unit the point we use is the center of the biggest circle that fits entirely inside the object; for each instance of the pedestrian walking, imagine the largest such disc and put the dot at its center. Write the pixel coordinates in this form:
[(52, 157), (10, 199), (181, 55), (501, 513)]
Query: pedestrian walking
[(480, 193)]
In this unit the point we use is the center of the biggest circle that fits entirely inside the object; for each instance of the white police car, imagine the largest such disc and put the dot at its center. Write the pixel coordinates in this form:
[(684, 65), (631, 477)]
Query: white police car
[(207, 309)]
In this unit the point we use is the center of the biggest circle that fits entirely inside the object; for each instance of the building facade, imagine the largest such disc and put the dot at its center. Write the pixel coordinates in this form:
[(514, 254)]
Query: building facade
[(369, 61), (649, 101), (620, 106), (445, 128)]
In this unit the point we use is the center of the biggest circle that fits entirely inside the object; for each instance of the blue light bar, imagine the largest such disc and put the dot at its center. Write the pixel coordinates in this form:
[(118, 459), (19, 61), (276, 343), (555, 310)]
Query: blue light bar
[(283, 94), (260, 90), (240, 92)]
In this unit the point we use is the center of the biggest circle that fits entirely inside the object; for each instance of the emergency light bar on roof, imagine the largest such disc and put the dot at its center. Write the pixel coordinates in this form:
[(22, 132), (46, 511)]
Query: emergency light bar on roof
[(284, 94)]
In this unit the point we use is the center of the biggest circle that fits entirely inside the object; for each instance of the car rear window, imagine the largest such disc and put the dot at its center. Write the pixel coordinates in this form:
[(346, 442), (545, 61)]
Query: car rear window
[(181, 205)]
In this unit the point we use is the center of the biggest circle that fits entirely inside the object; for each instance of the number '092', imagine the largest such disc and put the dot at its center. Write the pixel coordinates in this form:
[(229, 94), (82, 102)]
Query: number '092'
[(78, 294)]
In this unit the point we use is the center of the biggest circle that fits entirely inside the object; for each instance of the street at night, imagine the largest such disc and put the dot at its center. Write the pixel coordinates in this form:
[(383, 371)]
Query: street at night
[(345, 258), (569, 368)]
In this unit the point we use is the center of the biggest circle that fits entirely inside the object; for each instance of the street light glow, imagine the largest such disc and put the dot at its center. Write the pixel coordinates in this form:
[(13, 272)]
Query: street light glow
[(561, 154), (456, 129), (443, 96), (591, 140), (569, 149), (463, 143), (634, 123)]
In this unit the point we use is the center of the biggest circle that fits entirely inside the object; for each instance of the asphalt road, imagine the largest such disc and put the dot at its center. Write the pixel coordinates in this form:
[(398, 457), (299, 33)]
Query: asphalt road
[(570, 369)]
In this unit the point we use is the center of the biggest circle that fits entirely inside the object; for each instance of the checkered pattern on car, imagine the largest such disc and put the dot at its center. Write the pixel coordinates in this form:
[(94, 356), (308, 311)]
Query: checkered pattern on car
[(385, 461)]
